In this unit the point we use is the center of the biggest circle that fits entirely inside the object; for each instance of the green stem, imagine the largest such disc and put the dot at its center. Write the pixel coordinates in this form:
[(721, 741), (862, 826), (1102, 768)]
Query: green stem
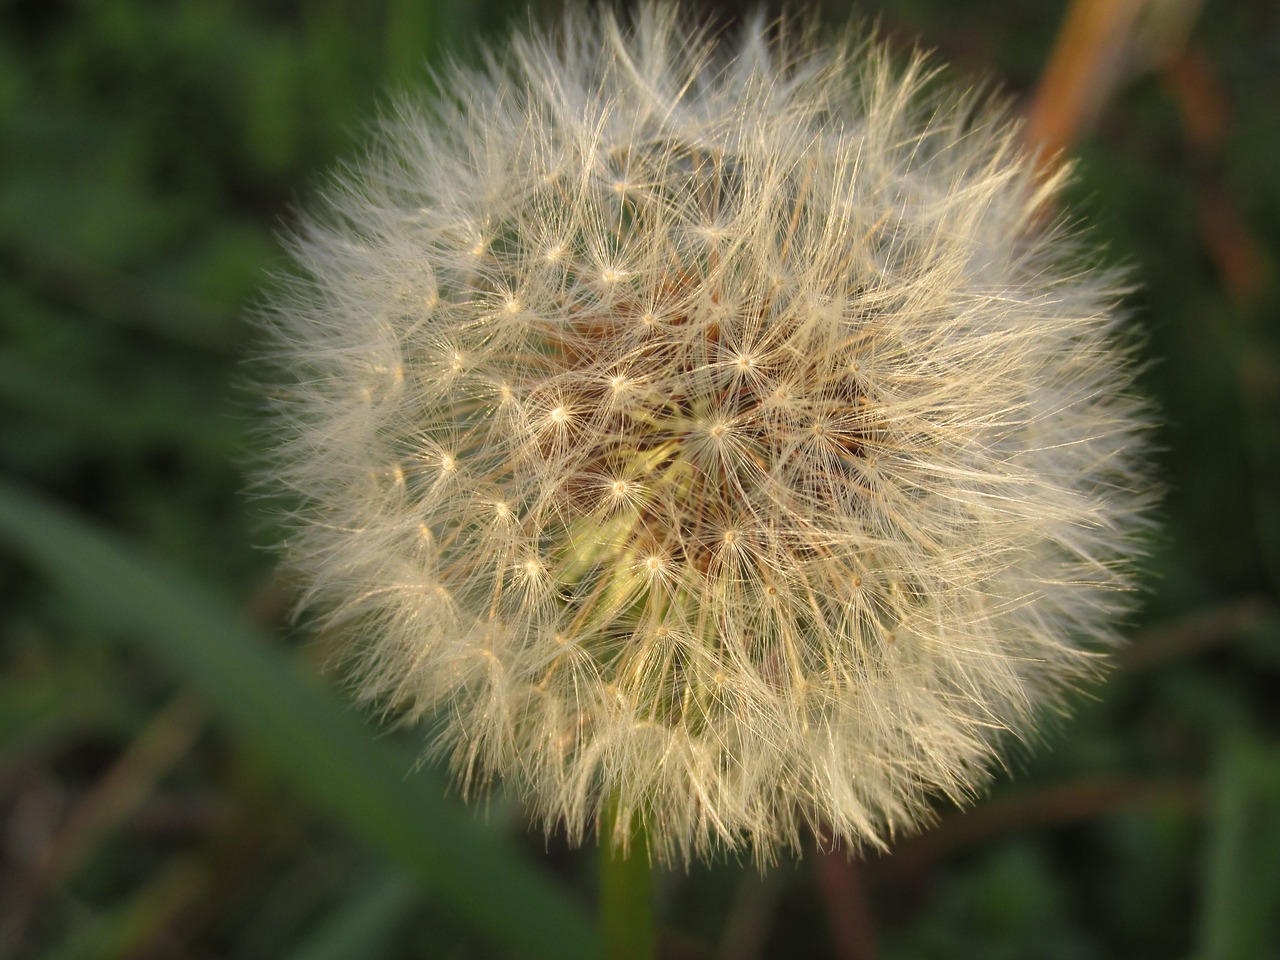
[(626, 889)]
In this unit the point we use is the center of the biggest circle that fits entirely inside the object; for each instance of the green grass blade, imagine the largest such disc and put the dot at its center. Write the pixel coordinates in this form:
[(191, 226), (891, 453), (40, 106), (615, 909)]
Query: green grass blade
[(363, 926), (312, 743), (1240, 913)]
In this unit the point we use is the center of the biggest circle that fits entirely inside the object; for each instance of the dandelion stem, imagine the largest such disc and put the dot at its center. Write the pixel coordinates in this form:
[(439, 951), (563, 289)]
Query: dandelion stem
[(626, 889)]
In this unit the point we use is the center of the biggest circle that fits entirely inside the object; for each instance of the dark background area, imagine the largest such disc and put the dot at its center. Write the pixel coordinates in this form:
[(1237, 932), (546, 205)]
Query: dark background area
[(152, 804)]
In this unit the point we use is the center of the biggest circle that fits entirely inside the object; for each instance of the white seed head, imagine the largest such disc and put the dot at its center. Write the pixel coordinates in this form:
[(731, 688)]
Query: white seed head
[(762, 454)]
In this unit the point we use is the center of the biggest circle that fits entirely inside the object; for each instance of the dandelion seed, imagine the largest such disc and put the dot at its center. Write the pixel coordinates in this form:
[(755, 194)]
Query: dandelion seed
[(825, 466)]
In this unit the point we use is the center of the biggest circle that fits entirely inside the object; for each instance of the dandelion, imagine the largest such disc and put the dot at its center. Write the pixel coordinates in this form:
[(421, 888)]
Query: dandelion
[(717, 428)]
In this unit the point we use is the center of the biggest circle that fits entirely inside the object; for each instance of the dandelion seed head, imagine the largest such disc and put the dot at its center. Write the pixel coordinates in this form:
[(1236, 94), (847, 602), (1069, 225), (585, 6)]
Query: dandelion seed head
[(746, 444)]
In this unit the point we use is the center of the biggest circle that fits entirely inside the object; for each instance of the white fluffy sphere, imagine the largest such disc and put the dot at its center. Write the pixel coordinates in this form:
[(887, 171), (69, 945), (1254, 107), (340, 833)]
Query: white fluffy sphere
[(716, 426)]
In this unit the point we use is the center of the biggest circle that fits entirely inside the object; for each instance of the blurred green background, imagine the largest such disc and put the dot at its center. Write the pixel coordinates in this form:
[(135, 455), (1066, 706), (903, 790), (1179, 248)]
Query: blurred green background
[(180, 779)]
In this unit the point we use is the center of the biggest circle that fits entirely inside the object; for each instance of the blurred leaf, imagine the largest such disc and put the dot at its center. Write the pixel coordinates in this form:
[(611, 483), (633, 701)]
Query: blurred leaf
[(1262, 645), (1240, 916), (416, 33), (314, 744), (362, 926), (412, 30), (43, 700), (120, 931)]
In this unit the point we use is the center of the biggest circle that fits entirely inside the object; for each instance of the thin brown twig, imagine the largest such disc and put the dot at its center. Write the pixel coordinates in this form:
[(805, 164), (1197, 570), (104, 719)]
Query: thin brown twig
[(745, 931), (1084, 69), (165, 740), (1193, 634), (120, 792), (1205, 112), (1050, 806), (842, 885)]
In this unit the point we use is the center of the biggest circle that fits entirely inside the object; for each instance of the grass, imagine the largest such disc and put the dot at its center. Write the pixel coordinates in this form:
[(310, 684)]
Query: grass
[(180, 778)]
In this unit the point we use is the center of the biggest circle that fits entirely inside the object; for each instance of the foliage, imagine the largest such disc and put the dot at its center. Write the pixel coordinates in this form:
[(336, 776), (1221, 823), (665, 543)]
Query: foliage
[(151, 151)]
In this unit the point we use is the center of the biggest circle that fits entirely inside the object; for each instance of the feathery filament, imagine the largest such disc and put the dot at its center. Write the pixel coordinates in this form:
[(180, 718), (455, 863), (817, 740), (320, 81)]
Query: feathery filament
[(713, 426)]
